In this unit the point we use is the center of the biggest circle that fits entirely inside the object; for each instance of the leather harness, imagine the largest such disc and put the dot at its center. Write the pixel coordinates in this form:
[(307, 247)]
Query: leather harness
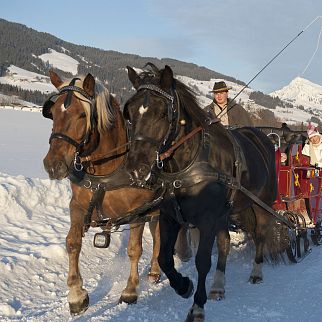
[(197, 171)]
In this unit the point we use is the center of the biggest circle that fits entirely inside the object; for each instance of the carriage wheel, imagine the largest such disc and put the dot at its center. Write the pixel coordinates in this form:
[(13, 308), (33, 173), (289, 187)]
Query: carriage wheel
[(316, 234), (291, 251)]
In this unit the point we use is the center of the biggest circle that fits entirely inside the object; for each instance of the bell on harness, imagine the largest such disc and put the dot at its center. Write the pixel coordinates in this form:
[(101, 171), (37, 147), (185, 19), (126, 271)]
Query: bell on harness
[(102, 239)]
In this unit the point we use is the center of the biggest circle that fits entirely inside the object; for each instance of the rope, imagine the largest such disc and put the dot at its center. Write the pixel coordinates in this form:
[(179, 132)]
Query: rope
[(227, 108), (316, 49)]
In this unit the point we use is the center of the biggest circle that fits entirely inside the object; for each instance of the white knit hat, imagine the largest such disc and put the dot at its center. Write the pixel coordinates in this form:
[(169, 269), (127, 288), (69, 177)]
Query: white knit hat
[(312, 130)]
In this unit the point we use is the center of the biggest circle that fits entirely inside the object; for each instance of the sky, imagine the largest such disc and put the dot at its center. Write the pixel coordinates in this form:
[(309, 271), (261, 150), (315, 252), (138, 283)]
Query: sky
[(233, 37)]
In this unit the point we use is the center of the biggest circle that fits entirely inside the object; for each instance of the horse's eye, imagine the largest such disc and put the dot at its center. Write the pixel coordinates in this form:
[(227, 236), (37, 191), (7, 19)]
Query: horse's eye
[(82, 115)]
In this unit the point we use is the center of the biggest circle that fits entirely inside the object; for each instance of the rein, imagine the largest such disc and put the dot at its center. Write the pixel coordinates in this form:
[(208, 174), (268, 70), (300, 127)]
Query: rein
[(98, 157), (183, 139)]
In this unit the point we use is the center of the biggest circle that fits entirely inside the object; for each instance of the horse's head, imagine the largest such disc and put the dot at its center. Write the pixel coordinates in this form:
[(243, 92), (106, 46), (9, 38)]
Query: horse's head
[(151, 112), (79, 114), (158, 112)]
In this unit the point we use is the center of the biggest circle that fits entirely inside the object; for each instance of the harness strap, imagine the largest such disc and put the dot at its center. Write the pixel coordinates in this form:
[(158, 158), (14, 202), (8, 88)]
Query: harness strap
[(109, 154), (266, 207), (183, 139), (136, 216), (97, 199)]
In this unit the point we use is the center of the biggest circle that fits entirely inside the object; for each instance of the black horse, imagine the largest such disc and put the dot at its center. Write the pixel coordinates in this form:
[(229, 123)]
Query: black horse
[(202, 165)]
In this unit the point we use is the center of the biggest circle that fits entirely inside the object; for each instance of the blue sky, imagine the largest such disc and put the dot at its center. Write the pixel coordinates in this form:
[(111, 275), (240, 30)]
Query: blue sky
[(234, 37)]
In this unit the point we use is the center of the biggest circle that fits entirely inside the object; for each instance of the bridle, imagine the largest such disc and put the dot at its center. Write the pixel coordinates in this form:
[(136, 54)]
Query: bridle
[(70, 89), (173, 117)]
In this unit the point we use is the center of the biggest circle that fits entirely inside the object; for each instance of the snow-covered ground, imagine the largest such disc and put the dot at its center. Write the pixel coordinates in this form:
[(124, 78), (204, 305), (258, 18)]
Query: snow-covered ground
[(34, 222)]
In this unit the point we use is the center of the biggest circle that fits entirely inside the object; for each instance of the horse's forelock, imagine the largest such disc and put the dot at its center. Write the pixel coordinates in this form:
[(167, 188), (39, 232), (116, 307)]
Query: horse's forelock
[(106, 114)]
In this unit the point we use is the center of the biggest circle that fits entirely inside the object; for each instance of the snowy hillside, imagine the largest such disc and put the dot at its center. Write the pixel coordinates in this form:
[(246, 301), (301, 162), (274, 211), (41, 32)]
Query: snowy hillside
[(27, 80), (34, 221), (301, 91), (61, 61)]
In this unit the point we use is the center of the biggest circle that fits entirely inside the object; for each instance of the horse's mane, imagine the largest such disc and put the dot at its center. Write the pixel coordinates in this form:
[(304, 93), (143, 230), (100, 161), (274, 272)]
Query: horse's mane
[(188, 101), (186, 95), (106, 105)]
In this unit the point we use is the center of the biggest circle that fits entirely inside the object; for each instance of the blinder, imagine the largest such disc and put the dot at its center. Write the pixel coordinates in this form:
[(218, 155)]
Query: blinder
[(66, 89), (48, 104)]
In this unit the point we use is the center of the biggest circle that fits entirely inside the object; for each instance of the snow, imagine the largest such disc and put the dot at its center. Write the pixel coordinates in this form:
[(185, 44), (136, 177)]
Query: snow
[(301, 91), (60, 61), (34, 221)]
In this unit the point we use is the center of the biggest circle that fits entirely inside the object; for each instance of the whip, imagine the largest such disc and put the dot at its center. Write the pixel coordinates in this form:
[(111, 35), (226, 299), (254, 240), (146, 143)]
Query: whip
[(227, 108)]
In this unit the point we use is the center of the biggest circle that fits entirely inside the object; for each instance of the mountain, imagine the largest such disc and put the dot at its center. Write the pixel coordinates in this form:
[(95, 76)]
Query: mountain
[(301, 91), (27, 55), (38, 52)]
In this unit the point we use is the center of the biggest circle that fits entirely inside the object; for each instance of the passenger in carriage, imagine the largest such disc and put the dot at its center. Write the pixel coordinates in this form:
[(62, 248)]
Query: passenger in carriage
[(313, 147), (236, 115), (285, 133)]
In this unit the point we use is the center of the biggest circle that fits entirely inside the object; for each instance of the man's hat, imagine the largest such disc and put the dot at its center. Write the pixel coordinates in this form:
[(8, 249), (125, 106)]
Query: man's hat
[(220, 87)]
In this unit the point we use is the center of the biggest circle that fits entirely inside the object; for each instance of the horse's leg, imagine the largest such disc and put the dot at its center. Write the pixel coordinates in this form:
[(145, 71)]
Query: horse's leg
[(203, 264), (256, 275), (77, 297), (155, 273), (217, 290), (169, 229), (183, 245), (134, 250)]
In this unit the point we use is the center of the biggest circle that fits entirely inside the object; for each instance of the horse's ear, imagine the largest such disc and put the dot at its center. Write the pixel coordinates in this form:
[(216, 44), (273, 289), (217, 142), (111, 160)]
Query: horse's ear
[(133, 77), (89, 85), (166, 80), (55, 79)]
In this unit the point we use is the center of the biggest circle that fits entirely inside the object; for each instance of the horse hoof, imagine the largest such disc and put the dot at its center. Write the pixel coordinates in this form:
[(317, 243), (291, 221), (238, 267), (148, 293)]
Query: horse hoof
[(195, 316), (79, 308), (255, 280), (128, 299), (216, 295), (187, 293), (154, 278)]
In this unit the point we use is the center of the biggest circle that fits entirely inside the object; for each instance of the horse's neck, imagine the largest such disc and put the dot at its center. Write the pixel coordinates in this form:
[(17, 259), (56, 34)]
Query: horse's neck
[(219, 148), (186, 153), (111, 149)]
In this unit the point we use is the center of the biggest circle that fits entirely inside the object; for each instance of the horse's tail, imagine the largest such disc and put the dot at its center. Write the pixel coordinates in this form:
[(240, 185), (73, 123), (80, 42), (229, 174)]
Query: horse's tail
[(276, 242), (275, 234)]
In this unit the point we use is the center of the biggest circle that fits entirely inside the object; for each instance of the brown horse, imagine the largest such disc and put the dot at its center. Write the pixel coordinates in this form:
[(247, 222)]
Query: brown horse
[(88, 144)]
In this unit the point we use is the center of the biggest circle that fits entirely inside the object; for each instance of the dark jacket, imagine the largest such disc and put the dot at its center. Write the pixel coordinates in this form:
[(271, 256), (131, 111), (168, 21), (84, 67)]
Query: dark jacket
[(237, 115)]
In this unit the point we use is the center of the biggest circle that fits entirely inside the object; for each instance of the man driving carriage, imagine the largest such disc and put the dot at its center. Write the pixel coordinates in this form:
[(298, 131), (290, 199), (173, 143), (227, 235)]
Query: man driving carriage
[(229, 112)]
